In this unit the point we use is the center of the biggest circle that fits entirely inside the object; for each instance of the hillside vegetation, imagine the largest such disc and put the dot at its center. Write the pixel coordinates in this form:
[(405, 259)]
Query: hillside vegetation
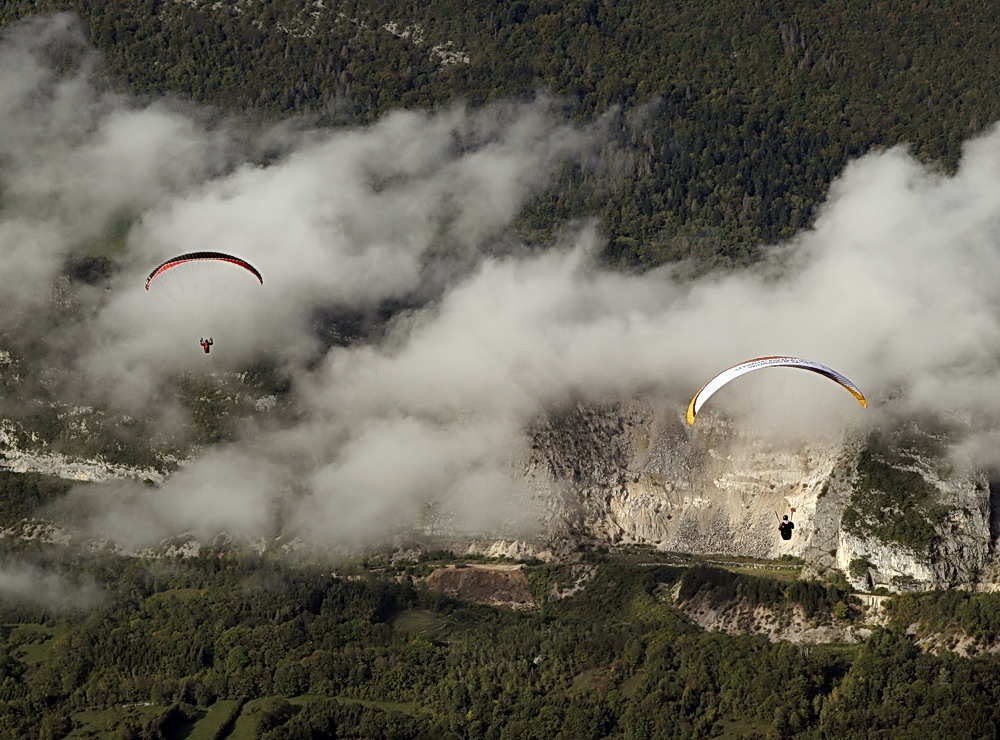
[(222, 645), (727, 120), (724, 124)]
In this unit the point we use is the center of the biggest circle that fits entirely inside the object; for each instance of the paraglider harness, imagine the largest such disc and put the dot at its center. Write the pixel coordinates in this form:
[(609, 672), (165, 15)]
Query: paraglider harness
[(785, 526), (206, 344)]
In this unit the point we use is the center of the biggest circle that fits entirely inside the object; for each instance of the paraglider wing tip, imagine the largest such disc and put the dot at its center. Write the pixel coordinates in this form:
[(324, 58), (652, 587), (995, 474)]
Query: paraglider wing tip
[(691, 412), (858, 395)]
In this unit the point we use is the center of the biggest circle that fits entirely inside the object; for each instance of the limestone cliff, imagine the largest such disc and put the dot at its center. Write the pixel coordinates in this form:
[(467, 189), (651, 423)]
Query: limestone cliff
[(891, 513), (632, 473), (34, 458)]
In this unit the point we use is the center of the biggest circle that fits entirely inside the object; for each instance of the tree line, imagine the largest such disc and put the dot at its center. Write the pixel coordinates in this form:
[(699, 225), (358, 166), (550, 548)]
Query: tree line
[(729, 119), (371, 652)]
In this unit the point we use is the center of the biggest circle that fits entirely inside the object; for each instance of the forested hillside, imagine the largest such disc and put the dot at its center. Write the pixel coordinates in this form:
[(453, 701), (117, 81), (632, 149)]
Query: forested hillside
[(730, 119), (244, 647), (722, 126)]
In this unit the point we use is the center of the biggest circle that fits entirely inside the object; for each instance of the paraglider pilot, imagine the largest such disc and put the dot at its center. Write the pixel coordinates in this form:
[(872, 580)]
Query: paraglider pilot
[(785, 527), (206, 344)]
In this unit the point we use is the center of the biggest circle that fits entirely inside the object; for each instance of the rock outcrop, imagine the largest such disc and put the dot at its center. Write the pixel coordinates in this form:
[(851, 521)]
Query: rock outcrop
[(493, 585), (631, 473), (19, 458)]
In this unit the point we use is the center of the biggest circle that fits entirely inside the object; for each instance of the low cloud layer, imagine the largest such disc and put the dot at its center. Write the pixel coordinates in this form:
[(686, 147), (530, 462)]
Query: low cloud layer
[(893, 286), (26, 584)]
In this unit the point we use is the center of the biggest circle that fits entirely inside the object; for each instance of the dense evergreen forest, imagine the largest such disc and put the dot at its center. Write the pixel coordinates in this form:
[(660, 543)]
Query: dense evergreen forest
[(726, 121), (725, 124), (227, 645)]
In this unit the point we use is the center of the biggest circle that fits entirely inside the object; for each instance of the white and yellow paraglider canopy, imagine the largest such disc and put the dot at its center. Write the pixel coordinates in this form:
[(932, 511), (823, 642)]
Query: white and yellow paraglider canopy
[(706, 391)]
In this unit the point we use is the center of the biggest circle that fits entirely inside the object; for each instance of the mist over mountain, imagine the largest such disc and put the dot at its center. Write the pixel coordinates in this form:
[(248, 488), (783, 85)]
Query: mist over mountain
[(434, 478), (891, 285)]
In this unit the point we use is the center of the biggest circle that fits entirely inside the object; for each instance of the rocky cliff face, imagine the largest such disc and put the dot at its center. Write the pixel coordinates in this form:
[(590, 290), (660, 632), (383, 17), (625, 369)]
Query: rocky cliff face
[(19, 458), (633, 473), (938, 532)]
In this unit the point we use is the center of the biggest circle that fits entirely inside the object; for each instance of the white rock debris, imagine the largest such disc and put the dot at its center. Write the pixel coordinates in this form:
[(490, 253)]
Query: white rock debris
[(306, 24), (19, 460)]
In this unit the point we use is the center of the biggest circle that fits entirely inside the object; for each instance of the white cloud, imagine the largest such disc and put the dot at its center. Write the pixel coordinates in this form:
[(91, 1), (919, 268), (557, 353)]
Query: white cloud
[(24, 583), (893, 286)]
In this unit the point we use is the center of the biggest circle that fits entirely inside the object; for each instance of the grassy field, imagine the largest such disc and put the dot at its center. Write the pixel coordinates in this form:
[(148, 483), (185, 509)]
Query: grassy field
[(789, 573), (105, 722), (731, 729), (782, 570), (787, 569), (419, 622), (34, 641), (247, 723), (216, 715), (593, 679)]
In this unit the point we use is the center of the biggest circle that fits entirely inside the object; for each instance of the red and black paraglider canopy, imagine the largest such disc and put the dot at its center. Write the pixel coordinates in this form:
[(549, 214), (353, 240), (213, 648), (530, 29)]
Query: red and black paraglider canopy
[(210, 293), (196, 256)]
